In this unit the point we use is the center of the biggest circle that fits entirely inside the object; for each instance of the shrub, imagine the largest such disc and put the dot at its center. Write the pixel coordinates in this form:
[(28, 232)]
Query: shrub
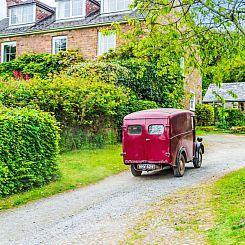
[(204, 115), (41, 65), (235, 117), (28, 149)]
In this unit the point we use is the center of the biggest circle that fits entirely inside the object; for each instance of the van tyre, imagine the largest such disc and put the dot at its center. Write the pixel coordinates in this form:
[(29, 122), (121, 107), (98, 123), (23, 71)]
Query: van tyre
[(179, 169), (197, 162), (134, 171)]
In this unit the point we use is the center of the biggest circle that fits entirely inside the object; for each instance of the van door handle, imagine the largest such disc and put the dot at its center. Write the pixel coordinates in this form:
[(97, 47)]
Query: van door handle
[(147, 139)]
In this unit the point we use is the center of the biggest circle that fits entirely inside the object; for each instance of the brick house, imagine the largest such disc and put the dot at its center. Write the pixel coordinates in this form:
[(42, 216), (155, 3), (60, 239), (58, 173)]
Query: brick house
[(32, 26)]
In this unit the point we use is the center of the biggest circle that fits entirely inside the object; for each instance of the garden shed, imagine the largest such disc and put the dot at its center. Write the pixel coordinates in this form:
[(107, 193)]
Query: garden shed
[(232, 93)]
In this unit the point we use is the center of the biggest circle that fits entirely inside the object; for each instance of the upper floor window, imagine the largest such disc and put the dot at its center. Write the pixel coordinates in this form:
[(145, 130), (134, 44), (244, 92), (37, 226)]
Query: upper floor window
[(8, 51), (23, 14), (59, 44), (109, 6), (106, 42), (70, 8)]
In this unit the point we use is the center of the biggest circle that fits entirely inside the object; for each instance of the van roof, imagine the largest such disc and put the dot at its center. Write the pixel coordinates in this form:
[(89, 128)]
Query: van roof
[(156, 113)]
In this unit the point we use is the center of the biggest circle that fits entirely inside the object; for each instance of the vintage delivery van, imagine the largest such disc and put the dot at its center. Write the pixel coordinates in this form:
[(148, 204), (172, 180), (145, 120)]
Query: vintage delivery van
[(156, 138)]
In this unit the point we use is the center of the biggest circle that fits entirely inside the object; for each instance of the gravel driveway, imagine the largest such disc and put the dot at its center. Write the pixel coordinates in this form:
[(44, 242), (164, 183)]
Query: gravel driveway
[(102, 213)]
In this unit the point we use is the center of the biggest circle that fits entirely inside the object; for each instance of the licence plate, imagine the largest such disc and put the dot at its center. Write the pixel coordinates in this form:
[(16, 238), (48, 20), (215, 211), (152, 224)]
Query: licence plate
[(147, 166)]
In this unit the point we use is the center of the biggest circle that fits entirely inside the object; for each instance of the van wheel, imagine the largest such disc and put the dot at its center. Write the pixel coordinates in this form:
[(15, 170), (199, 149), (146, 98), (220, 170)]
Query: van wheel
[(197, 162), (134, 171), (179, 169)]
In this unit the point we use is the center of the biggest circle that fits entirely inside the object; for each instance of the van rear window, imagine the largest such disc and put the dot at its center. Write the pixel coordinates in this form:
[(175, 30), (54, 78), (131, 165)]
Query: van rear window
[(134, 129), (156, 129)]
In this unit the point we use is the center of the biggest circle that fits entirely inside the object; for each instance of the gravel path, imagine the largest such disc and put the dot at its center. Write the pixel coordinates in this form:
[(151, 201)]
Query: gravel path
[(102, 213)]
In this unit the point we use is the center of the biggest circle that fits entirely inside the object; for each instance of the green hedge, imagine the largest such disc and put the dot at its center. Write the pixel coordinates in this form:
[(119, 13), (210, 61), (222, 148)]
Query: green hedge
[(204, 115), (28, 149)]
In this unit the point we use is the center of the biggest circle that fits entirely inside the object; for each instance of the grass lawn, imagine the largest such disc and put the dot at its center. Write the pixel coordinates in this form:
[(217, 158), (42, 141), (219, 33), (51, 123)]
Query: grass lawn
[(229, 206), (78, 168)]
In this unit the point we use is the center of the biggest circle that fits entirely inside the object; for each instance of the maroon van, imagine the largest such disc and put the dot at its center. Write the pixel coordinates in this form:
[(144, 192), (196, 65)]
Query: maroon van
[(156, 138)]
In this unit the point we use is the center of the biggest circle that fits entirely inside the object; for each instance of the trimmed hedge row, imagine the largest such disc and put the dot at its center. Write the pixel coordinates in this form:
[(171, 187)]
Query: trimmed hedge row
[(28, 149)]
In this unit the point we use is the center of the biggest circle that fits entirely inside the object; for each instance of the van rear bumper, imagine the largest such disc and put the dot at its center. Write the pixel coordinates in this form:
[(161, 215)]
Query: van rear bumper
[(161, 162)]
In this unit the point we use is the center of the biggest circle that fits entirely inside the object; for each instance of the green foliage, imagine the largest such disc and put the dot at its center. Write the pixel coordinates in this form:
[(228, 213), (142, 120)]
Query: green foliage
[(100, 71), (84, 107), (74, 101), (235, 117), (204, 115), (147, 83), (41, 65), (73, 138), (28, 149)]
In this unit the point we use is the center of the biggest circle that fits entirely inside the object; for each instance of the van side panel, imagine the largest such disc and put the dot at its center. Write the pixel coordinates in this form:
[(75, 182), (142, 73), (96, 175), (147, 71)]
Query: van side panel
[(181, 135)]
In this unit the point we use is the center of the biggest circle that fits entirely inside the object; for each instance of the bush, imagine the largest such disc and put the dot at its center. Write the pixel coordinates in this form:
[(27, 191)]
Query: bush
[(41, 65), (28, 149), (204, 115), (235, 117)]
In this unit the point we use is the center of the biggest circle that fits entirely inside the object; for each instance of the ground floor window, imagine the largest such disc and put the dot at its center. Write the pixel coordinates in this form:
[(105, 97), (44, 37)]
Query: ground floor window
[(8, 51), (59, 44), (106, 42)]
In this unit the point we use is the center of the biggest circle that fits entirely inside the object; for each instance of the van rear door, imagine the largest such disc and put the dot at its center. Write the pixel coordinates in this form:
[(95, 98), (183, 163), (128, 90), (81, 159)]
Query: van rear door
[(157, 140), (134, 140)]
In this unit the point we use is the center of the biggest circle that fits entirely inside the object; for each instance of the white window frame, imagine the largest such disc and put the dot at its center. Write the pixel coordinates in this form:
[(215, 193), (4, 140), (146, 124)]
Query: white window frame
[(101, 39), (2, 49), (21, 7), (117, 10), (54, 39), (193, 100), (71, 16)]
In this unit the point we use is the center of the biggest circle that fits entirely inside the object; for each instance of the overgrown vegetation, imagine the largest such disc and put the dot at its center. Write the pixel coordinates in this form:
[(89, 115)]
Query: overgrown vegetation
[(228, 203), (29, 147)]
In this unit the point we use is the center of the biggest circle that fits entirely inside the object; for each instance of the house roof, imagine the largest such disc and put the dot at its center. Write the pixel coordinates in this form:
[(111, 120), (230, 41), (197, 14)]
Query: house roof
[(50, 23), (226, 90)]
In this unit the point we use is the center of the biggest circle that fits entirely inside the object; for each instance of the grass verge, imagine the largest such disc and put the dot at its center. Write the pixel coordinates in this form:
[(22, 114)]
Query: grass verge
[(78, 168), (228, 203), (210, 213)]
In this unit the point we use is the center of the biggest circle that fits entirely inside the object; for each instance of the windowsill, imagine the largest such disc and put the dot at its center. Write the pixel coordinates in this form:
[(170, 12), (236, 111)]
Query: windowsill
[(70, 19), (116, 12), (21, 25)]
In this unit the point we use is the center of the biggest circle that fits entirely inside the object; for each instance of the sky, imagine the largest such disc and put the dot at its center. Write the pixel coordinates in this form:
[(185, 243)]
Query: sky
[(3, 6)]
